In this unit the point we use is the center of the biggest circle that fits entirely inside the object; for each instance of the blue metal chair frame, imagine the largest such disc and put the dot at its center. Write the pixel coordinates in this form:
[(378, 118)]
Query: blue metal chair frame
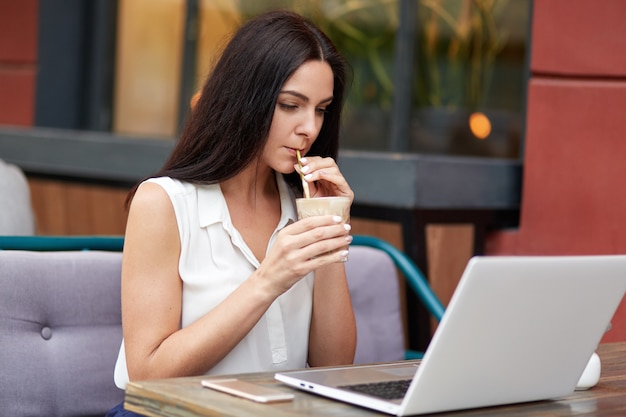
[(62, 243)]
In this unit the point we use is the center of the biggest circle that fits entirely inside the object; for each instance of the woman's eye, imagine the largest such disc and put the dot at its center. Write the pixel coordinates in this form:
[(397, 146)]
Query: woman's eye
[(321, 111), (287, 107)]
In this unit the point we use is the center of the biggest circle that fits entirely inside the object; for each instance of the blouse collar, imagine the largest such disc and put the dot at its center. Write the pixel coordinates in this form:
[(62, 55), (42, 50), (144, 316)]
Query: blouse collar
[(212, 207)]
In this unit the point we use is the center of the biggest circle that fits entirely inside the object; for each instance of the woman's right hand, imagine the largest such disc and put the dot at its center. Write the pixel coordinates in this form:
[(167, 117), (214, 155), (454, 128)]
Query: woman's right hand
[(302, 247)]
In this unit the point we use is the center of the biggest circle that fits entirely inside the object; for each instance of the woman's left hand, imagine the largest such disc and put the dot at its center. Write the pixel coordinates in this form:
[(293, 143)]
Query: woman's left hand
[(324, 177)]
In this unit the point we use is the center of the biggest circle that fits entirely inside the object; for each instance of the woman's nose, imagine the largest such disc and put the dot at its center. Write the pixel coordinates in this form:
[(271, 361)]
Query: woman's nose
[(309, 125)]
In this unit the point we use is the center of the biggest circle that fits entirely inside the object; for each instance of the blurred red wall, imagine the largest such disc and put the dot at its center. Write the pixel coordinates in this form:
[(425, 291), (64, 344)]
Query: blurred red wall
[(18, 61), (574, 194)]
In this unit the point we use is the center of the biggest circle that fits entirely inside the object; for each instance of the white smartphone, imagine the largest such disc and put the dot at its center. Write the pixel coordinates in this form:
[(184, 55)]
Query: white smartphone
[(247, 390)]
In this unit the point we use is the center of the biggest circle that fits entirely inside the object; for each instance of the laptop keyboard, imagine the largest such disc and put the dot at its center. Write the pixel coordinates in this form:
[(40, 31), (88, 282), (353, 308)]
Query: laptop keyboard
[(388, 390)]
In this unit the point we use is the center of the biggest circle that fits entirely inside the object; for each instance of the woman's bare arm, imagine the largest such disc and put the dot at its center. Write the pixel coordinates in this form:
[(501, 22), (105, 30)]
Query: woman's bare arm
[(332, 339), (152, 294)]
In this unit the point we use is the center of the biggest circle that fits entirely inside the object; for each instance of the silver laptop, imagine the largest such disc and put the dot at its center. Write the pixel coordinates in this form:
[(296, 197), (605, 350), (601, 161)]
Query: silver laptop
[(517, 329)]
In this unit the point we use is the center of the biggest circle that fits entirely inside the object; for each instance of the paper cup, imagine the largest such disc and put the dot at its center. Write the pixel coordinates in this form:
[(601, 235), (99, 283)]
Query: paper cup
[(320, 206)]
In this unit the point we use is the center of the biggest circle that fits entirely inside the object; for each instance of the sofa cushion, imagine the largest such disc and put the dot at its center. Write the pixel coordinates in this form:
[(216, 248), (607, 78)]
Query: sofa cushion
[(60, 330)]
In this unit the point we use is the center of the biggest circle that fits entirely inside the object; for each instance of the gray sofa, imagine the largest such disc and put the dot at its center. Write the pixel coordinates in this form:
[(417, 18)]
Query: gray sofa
[(60, 330), (60, 327)]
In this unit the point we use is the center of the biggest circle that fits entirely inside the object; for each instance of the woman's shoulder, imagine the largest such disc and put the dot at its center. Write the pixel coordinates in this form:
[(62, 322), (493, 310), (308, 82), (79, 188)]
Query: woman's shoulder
[(173, 187), (151, 195), (169, 184)]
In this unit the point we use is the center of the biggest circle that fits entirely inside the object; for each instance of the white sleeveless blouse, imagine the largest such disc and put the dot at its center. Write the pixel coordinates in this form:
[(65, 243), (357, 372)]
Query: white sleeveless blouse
[(215, 260)]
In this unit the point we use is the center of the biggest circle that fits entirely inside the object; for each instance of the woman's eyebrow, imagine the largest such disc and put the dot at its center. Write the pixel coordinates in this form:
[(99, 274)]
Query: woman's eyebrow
[(305, 98)]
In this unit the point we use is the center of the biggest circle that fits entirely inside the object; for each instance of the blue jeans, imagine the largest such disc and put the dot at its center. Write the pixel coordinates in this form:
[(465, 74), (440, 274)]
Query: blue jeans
[(118, 411)]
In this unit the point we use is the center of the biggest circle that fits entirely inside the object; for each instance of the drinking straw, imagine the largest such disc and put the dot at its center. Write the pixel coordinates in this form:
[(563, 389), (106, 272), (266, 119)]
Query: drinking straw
[(305, 185)]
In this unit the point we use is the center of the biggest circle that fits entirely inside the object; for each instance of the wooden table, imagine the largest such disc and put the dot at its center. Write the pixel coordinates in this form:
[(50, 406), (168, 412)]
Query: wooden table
[(184, 397)]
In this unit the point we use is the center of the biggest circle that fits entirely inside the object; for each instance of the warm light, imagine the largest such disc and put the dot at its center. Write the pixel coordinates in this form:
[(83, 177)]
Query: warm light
[(480, 125)]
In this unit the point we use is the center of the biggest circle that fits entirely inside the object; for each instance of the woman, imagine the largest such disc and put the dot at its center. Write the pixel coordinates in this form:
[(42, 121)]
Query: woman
[(218, 276)]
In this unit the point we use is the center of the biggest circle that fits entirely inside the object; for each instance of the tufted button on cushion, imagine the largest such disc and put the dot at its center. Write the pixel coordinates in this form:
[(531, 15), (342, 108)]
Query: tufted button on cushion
[(46, 333)]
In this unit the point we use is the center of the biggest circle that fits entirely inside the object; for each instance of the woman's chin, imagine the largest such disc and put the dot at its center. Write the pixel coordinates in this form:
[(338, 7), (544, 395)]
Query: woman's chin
[(285, 170)]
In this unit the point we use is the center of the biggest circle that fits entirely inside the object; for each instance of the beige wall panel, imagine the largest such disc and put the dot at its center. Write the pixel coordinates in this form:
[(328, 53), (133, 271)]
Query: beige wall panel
[(66, 208), (148, 67), (49, 205), (79, 209), (219, 19), (449, 248), (110, 211), (389, 231)]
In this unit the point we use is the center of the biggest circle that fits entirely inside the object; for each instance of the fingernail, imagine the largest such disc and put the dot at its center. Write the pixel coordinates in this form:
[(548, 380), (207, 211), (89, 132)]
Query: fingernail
[(337, 219), (347, 226), (303, 160), (344, 256), (308, 176), (349, 238), (305, 169)]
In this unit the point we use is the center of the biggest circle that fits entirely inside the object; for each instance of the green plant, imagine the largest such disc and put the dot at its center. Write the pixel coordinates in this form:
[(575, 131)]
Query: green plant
[(458, 43), (363, 30)]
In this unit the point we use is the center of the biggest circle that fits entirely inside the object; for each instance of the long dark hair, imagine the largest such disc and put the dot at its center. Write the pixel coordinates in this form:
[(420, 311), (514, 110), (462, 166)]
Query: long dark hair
[(229, 125)]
